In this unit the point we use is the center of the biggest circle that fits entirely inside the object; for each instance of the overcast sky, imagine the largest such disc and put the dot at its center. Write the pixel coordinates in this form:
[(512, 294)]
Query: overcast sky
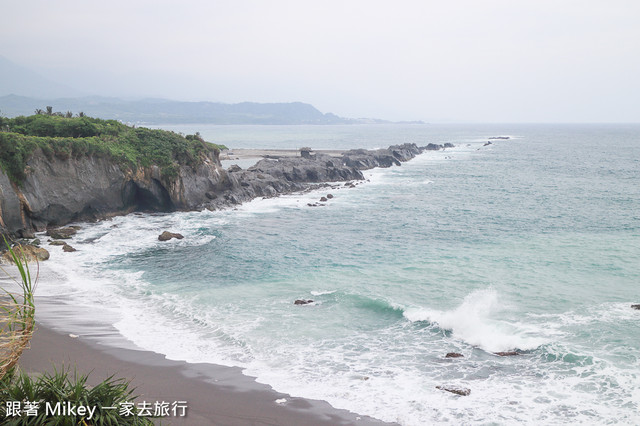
[(444, 60)]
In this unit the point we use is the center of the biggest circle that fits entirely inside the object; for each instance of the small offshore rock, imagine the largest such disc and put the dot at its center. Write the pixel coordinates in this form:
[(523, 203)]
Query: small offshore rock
[(28, 252), (449, 145), (323, 199), (56, 243), (509, 353), (455, 389), (454, 355), (303, 302), (62, 233), (635, 307), (67, 248), (488, 143), (329, 196), (166, 236)]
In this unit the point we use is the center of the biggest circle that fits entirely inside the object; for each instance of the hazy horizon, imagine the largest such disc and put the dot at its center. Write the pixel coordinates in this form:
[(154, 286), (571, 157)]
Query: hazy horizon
[(463, 61)]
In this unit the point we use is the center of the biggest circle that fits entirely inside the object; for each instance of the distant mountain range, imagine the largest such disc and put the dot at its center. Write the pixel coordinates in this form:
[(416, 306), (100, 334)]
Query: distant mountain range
[(163, 111), (22, 91)]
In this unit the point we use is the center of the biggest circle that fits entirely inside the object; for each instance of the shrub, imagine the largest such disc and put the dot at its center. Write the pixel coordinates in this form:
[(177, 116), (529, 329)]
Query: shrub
[(67, 137)]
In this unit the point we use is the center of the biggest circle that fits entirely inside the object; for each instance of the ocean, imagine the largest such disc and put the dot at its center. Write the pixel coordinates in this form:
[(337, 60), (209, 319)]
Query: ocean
[(530, 244)]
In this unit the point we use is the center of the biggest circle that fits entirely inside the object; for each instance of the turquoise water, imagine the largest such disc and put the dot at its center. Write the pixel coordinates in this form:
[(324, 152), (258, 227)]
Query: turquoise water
[(529, 244)]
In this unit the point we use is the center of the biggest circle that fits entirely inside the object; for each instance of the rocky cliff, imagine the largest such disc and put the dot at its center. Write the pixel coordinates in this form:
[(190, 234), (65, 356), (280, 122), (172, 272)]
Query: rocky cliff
[(56, 192)]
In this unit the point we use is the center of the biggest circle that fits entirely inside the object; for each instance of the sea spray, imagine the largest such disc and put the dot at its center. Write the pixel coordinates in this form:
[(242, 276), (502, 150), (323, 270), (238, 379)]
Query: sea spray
[(477, 322)]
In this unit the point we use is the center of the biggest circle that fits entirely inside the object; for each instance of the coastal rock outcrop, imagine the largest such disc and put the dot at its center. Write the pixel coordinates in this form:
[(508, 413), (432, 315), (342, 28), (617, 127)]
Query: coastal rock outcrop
[(303, 302), (166, 236), (61, 233), (59, 191), (635, 307)]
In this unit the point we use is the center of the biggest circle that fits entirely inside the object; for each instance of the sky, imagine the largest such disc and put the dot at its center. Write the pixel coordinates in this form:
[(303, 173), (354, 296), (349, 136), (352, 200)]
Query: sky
[(436, 61)]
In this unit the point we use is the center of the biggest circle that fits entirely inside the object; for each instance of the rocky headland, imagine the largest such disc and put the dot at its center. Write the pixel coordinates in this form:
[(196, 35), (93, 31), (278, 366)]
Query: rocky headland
[(55, 190)]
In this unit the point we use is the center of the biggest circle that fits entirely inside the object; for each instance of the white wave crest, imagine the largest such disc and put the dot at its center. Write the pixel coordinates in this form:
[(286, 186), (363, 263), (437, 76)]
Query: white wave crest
[(475, 323)]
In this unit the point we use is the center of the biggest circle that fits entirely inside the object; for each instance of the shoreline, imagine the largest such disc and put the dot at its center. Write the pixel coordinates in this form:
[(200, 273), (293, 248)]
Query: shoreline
[(215, 394)]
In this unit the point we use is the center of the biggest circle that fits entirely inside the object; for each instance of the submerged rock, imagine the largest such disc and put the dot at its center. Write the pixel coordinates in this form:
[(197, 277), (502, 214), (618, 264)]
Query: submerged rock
[(166, 236), (56, 243), (454, 355), (509, 353), (455, 389), (303, 302)]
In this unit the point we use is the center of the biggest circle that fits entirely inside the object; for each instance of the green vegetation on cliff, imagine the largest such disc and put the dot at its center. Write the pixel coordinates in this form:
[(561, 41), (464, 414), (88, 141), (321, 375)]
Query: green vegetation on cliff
[(64, 137)]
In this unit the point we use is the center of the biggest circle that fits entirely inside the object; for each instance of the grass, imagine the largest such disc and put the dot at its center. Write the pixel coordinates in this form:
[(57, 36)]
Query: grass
[(17, 313)]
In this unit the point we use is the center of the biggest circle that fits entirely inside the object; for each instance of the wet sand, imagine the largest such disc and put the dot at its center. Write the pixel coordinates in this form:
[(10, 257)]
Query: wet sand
[(215, 395)]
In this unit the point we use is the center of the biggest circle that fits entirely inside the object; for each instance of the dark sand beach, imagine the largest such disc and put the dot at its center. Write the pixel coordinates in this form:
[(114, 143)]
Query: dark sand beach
[(215, 395)]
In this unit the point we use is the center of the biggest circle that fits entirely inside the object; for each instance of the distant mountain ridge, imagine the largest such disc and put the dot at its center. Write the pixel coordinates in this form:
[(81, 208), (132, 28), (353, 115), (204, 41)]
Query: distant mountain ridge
[(23, 90), (164, 111)]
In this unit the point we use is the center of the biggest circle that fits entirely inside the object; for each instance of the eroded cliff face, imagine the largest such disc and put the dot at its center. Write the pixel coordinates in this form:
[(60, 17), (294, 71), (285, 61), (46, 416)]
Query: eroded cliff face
[(57, 191)]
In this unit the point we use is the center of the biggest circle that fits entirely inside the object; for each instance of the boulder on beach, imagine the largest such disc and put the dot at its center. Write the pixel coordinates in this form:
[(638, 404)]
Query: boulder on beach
[(303, 302), (28, 252), (454, 355), (166, 236), (455, 389)]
